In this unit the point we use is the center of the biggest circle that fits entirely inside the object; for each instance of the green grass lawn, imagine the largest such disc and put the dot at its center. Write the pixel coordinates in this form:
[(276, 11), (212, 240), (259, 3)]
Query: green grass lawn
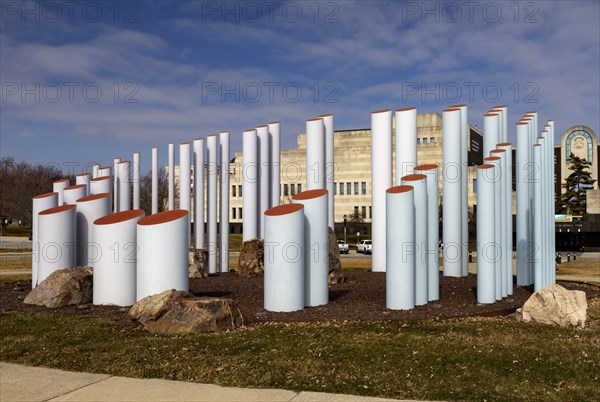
[(467, 359)]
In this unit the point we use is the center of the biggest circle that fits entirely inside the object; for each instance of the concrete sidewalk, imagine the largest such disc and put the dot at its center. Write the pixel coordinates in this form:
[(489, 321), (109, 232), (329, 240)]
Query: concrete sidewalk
[(23, 383)]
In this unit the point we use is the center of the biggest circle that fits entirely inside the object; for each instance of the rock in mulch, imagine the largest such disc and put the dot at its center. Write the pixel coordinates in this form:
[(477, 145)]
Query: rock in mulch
[(335, 265), (63, 288), (198, 263), (252, 258), (555, 305), (175, 312)]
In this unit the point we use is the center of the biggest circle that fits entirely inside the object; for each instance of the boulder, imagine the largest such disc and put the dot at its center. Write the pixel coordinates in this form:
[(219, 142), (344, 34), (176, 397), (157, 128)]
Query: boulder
[(555, 305), (175, 312), (335, 266), (198, 263), (252, 258), (62, 288)]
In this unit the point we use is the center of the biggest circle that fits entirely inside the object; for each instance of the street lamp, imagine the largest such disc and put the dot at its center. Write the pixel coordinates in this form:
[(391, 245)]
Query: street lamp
[(345, 220)]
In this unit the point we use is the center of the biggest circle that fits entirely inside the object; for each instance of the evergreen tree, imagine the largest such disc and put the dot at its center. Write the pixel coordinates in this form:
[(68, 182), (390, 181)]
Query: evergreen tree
[(573, 200)]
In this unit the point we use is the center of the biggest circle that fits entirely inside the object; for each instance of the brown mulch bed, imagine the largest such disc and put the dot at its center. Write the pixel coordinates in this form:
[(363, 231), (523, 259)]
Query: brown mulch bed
[(361, 297)]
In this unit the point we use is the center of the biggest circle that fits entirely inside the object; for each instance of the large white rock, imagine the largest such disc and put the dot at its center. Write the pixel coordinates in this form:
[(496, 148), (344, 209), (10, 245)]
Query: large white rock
[(555, 305)]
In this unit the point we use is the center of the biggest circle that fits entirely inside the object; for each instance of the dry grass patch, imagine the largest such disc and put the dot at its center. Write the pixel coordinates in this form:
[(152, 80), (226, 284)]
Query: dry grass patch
[(580, 268)]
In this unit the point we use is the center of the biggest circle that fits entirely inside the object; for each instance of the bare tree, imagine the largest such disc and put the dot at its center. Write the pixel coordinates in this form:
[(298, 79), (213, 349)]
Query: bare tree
[(146, 191)]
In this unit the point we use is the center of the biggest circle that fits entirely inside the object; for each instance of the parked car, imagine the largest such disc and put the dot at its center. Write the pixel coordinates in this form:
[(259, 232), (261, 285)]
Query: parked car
[(364, 246), (344, 249)]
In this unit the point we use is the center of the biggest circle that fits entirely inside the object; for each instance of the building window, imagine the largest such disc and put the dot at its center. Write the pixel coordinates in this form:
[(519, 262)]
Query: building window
[(285, 190), (293, 188), (240, 213), (233, 191), (349, 188), (355, 188), (233, 213), (432, 140), (370, 212), (363, 212), (418, 140), (364, 187), (335, 189), (299, 187), (240, 190), (424, 140), (356, 212), (341, 188)]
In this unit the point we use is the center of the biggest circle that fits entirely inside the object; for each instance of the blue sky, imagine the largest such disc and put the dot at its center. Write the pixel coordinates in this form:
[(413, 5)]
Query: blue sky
[(85, 81)]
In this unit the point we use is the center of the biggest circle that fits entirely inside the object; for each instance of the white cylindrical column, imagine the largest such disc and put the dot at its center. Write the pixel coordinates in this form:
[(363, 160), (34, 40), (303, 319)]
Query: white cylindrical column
[(329, 166), (552, 277), (538, 236), (89, 209), (105, 171), (171, 176), (541, 221), (115, 236), (406, 142), (116, 185), (486, 250), (136, 180), (163, 241), (84, 178), (95, 170), (284, 258), (124, 188), (464, 180), (275, 139), (433, 231), (508, 192), (102, 184), (523, 206), (224, 214), (264, 163), (315, 154), (185, 177), (58, 240), (401, 250), (504, 257), (199, 193), (491, 130), (39, 203), (381, 180), (419, 184), (58, 188), (316, 251), (250, 173), (498, 260), (154, 180), (452, 189), (211, 221), (502, 111), (72, 193)]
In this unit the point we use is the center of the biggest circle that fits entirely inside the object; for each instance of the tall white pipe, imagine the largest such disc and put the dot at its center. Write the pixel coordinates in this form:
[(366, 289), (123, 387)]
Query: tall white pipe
[(250, 177), (486, 251), (284, 258), (171, 188), (58, 187), (491, 130), (541, 218), (84, 178), (316, 250), (115, 274), (275, 139), (58, 240), (72, 193), (508, 195), (89, 209), (102, 184), (95, 170), (501, 153), (199, 193), (452, 188), (381, 180), (406, 142), (552, 202), (523, 208), (116, 185), (224, 215), (136, 180), (502, 111), (498, 260), (433, 231), (185, 176), (264, 163), (154, 180), (39, 203), (419, 183), (464, 180), (211, 221), (124, 187), (315, 154), (538, 235), (105, 171), (401, 249), (162, 253), (330, 166)]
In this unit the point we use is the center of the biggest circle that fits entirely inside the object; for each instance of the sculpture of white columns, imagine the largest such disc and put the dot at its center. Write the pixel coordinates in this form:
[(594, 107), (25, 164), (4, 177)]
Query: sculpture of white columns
[(84, 178), (452, 192), (538, 236), (89, 209), (275, 139), (316, 250), (154, 180), (433, 230), (162, 253), (171, 177), (102, 184), (401, 249), (502, 112), (464, 180), (284, 258), (491, 130), (211, 221), (57, 240), (406, 142), (504, 256), (224, 215), (136, 180), (185, 176), (508, 252), (199, 193), (95, 170), (523, 207), (124, 188), (116, 185), (39, 203), (264, 163), (250, 177), (498, 260), (58, 187), (329, 166), (315, 154), (486, 249), (72, 193), (419, 184), (381, 180), (115, 274), (106, 171)]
